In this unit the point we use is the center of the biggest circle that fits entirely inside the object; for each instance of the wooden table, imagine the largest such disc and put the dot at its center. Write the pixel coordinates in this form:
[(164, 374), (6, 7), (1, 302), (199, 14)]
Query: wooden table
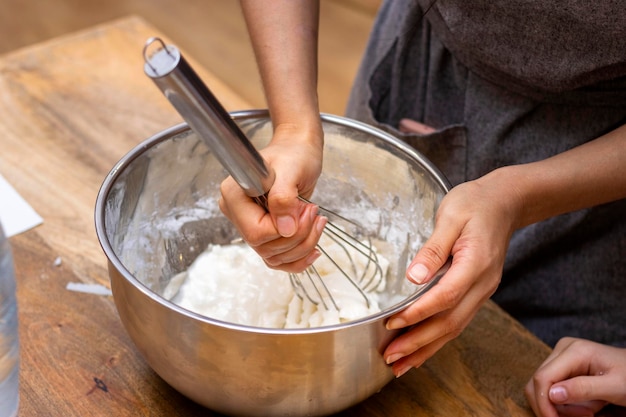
[(70, 108)]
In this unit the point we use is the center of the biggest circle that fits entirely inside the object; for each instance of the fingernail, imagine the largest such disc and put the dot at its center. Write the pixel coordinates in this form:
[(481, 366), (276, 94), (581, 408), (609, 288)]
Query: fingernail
[(272, 261), (418, 273), (320, 224), (402, 370), (313, 211), (558, 394), (286, 226), (313, 257), (395, 323), (393, 357)]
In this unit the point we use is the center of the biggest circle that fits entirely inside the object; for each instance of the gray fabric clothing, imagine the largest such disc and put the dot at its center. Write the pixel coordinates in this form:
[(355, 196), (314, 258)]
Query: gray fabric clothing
[(510, 82)]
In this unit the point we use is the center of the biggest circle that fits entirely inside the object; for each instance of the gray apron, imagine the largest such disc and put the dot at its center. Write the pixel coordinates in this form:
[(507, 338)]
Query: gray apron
[(510, 82)]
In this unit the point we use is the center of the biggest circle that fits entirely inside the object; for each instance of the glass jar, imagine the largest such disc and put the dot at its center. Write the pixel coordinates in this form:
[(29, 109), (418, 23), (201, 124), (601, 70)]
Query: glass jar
[(9, 341)]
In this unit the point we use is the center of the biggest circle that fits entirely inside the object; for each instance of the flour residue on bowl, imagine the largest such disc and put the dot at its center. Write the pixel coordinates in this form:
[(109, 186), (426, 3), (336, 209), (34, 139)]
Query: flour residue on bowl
[(169, 213), (231, 283)]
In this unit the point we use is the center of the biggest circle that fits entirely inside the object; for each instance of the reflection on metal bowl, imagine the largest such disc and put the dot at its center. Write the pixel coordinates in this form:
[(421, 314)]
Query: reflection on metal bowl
[(165, 192)]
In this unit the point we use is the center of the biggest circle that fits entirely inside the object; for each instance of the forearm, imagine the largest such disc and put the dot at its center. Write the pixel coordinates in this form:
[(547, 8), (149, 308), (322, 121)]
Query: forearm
[(585, 176), (284, 39)]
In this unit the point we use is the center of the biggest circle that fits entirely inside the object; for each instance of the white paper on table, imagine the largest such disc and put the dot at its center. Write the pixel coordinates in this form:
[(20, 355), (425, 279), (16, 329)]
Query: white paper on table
[(16, 215)]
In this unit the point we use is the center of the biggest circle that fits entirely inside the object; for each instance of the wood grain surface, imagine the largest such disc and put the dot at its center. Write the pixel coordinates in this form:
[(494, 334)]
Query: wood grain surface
[(206, 29), (70, 108)]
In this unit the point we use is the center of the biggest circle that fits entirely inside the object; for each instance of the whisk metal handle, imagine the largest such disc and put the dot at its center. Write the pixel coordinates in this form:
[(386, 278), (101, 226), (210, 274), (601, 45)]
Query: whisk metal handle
[(207, 117)]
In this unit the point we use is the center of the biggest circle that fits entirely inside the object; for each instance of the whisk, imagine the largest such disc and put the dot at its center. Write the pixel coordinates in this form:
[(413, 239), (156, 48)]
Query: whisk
[(358, 262)]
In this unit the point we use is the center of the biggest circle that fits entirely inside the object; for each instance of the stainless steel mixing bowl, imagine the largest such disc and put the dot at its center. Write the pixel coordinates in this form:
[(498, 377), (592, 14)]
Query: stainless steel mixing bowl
[(157, 209)]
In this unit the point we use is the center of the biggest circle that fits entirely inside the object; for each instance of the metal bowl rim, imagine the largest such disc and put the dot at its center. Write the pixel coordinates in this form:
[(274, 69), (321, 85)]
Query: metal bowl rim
[(167, 134)]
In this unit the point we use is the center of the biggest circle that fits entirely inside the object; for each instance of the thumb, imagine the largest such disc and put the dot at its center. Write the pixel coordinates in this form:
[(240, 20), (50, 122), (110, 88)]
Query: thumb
[(588, 389), (285, 209), (432, 256)]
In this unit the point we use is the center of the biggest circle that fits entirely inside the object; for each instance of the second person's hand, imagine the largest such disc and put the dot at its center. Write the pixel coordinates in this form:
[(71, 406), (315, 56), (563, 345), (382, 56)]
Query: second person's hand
[(578, 379)]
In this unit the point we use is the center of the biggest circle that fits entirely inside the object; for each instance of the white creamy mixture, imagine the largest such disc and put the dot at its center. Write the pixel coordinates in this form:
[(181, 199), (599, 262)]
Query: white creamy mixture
[(231, 283)]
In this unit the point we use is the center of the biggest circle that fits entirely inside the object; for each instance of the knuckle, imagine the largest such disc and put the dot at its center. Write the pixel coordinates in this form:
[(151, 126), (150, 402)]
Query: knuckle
[(278, 200), (223, 187), (492, 285), (538, 377), (433, 254), (449, 297), (454, 326), (226, 186), (562, 343), (528, 389), (223, 207), (582, 388), (257, 242)]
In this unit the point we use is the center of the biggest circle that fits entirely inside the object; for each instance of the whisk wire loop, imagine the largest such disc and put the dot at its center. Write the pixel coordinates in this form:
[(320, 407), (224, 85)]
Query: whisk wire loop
[(366, 249), (322, 291), (364, 276)]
